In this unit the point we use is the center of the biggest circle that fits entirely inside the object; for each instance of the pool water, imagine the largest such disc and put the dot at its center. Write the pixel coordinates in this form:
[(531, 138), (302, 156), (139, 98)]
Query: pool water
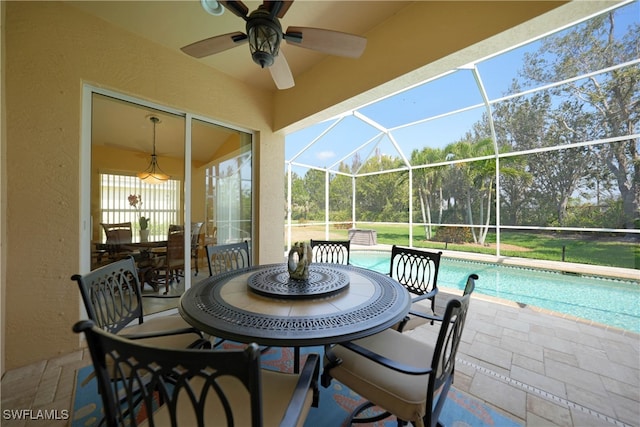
[(607, 301)]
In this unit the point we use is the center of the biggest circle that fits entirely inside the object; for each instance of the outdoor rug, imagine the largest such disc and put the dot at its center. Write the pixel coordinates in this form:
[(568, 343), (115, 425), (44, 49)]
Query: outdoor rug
[(336, 402)]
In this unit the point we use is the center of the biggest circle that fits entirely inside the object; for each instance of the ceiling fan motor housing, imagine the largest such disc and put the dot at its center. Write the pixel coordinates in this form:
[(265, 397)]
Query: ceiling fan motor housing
[(265, 35)]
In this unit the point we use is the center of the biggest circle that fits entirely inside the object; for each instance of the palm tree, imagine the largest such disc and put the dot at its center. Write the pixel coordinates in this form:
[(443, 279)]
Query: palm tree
[(477, 178), (428, 184)]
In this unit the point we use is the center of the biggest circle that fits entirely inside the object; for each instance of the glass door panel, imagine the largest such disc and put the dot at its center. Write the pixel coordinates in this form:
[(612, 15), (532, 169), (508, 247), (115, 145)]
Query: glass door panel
[(221, 189), (125, 136)]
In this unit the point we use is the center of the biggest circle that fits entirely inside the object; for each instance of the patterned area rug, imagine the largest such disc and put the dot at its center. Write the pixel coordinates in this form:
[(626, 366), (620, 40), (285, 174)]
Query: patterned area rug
[(336, 402)]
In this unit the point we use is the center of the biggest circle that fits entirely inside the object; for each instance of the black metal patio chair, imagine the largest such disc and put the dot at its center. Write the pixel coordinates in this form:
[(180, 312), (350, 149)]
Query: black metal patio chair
[(195, 387)]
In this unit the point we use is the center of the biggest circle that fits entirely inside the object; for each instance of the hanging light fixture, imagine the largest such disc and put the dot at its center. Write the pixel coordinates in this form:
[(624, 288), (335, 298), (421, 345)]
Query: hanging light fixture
[(153, 174), (265, 35)]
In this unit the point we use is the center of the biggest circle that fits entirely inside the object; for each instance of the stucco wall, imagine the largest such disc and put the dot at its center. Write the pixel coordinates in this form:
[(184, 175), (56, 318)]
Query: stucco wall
[(3, 193), (51, 49)]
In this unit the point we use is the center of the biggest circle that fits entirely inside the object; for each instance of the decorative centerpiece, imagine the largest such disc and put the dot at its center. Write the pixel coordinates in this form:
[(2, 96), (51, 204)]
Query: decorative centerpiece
[(299, 261), (136, 202)]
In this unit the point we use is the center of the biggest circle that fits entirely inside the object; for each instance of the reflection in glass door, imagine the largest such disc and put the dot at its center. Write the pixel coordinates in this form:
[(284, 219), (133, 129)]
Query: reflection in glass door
[(221, 183)]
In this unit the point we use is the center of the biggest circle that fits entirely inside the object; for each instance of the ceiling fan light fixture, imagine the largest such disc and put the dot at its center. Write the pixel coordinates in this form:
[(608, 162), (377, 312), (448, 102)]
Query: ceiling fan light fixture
[(153, 174), (265, 35), (212, 7)]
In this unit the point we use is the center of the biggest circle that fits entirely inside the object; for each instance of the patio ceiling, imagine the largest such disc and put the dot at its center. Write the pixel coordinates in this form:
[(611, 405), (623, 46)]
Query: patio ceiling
[(175, 24)]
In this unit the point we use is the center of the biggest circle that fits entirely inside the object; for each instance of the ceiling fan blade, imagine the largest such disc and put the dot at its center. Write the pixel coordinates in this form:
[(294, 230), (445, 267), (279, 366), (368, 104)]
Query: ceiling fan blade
[(281, 73), (285, 5), (326, 41), (236, 7), (215, 44)]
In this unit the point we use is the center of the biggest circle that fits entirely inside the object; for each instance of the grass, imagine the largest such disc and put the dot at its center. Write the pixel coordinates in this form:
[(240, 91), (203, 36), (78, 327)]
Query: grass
[(578, 248)]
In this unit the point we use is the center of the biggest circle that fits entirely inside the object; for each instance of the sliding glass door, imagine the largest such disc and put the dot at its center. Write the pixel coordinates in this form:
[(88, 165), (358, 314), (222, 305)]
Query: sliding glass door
[(203, 190)]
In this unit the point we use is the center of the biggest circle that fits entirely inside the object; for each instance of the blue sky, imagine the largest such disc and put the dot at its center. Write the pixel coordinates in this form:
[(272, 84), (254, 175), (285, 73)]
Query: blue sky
[(449, 93)]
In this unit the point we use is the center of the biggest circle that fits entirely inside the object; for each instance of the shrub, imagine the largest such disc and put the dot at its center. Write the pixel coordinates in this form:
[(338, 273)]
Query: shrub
[(453, 234)]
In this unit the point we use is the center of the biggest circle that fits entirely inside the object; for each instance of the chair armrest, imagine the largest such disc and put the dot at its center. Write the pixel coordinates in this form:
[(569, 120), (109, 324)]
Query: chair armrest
[(308, 379), (385, 361), (427, 316), (428, 295), (156, 334)]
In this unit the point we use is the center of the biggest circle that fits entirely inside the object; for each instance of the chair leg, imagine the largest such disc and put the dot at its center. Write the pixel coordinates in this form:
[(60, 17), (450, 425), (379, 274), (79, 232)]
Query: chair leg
[(363, 407)]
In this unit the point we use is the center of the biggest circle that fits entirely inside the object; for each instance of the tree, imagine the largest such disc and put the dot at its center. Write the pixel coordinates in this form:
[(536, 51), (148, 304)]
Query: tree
[(613, 97), (428, 185), (477, 179), (382, 197)]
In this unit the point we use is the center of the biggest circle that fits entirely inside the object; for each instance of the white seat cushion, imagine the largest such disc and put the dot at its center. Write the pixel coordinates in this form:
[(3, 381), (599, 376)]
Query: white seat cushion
[(401, 394)]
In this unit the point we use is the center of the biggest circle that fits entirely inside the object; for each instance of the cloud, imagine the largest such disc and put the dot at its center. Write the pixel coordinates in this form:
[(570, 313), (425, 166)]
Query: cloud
[(324, 155)]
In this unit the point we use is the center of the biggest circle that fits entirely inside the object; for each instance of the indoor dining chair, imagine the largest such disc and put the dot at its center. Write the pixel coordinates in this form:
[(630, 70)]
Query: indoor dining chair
[(117, 235), (331, 251), (170, 265), (197, 242), (416, 270), (228, 257), (189, 387), (403, 376)]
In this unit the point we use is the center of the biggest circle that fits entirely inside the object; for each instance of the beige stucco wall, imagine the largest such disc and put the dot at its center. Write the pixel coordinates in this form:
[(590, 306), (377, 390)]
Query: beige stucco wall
[(3, 193), (51, 50)]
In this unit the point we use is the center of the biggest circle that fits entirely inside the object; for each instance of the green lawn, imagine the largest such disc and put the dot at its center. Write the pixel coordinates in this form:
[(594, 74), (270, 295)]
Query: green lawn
[(582, 249)]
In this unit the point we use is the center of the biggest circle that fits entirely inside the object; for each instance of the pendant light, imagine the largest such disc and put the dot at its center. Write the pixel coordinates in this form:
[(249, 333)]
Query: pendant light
[(153, 174)]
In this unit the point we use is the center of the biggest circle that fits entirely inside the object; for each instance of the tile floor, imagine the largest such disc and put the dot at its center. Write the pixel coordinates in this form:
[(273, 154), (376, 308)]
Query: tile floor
[(535, 366)]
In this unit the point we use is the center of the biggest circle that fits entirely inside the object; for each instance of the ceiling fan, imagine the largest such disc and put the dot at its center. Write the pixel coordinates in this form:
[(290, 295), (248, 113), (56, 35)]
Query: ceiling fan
[(264, 34)]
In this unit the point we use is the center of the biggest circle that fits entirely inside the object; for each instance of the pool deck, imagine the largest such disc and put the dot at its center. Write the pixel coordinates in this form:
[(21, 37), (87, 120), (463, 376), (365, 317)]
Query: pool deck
[(544, 369)]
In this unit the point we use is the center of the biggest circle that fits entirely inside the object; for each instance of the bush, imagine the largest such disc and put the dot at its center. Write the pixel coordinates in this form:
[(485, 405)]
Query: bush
[(453, 235)]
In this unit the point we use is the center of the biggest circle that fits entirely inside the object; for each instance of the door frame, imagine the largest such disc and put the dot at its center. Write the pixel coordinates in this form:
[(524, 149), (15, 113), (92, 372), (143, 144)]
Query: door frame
[(85, 226)]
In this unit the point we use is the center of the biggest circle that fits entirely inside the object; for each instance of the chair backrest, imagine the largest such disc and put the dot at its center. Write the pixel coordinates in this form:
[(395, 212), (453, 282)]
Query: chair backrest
[(229, 257), (111, 294), (186, 381), (175, 247), (117, 234), (415, 269), (444, 355), (471, 284), (197, 234), (331, 251)]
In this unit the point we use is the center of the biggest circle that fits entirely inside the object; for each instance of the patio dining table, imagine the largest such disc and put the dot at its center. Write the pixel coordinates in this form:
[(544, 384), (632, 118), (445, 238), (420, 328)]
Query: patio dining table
[(262, 304)]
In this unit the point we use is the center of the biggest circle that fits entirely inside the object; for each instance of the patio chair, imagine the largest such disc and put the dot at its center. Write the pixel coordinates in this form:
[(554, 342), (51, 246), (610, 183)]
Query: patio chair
[(331, 251), (406, 378), (228, 257), (216, 387), (417, 271), (113, 300), (422, 317)]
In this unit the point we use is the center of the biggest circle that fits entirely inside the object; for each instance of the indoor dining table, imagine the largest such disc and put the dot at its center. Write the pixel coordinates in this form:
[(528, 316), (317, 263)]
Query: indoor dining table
[(262, 304)]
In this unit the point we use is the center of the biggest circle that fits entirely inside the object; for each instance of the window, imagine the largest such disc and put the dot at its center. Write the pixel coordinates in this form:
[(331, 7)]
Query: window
[(160, 203)]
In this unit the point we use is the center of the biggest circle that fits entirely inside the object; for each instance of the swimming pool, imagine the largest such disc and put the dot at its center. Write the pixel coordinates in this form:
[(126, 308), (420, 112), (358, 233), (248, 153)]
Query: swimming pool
[(608, 301)]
